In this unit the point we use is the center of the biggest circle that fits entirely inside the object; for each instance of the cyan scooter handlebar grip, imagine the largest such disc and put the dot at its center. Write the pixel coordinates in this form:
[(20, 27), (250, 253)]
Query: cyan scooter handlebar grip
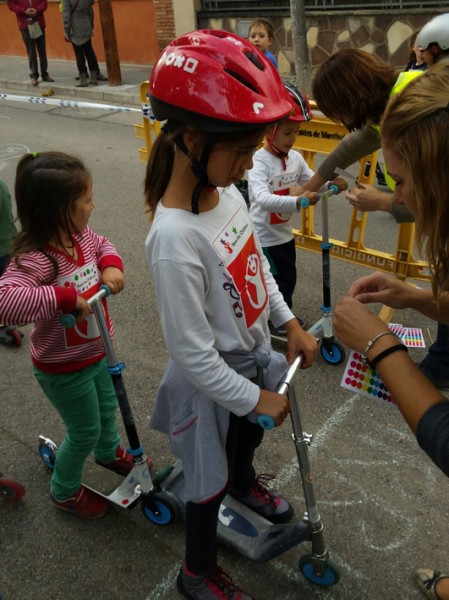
[(334, 188), (69, 319), (304, 202), (266, 422)]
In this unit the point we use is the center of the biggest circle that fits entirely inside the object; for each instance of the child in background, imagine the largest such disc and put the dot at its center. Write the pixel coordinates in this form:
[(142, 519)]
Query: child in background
[(57, 263), (275, 183), (8, 335), (214, 287), (416, 59), (261, 35)]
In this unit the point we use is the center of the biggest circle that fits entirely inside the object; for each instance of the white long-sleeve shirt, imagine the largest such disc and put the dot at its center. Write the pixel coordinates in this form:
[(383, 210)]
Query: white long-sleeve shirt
[(268, 184), (215, 293)]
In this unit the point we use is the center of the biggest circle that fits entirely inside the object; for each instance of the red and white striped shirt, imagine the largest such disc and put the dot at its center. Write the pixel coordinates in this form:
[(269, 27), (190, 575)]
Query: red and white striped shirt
[(24, 299)]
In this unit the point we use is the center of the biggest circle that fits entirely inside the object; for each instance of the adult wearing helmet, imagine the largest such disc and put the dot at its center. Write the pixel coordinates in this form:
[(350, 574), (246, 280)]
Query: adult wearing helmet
[(218, 94), (274, 184), (433, 39)]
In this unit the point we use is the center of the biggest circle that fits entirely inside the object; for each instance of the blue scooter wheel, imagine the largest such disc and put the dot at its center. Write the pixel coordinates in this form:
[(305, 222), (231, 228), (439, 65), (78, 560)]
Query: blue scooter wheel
[(158, 509), (47, 455), (335, 355), (331, 575)]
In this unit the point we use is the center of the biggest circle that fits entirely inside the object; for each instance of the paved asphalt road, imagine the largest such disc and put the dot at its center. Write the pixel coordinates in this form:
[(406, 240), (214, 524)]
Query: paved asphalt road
[(383, 503)]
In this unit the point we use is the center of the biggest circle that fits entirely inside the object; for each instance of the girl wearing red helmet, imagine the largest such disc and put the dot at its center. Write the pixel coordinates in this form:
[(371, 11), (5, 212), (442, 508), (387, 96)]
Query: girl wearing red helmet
[(217, 94), (275, 184)]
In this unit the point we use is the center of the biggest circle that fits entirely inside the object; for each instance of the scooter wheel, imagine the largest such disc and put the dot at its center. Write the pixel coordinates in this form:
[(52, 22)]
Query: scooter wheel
[(333, 354), (47, 455), (10, 489), (158, 508), (331, 574)]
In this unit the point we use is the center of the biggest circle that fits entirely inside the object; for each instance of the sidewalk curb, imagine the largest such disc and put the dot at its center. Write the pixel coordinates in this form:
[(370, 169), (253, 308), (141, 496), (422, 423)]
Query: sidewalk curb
[(125, 94)]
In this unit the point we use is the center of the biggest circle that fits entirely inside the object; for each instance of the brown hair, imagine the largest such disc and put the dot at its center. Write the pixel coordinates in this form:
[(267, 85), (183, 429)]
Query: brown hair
[(160, 163), (353, 87), (416, 129), (262, 22), (46, 188)]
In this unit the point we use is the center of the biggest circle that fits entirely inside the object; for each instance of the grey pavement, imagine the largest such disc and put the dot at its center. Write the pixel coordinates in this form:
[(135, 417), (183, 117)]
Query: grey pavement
[(14, 76)]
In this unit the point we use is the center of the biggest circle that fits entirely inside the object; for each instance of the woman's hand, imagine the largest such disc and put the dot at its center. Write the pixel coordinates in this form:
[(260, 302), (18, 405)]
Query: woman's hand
[(367, 198), (113, 278), (355, 324), (379, 287), (299, 341), (274, 405)]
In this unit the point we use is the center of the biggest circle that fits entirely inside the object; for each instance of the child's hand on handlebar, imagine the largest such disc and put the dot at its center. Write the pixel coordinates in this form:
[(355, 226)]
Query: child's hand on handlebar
[(113, 278), (300, 192), (299, 341), (82, 309), (340, 183), (274, 405)]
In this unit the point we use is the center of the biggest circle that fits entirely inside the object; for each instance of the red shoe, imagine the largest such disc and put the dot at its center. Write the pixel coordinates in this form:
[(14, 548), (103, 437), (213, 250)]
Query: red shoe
[(123, 463), (85, 503)]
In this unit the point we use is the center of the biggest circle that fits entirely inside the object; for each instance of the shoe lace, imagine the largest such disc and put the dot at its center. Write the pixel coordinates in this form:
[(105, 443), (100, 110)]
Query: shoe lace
[(260, 490), (428, 583), (221, 584)]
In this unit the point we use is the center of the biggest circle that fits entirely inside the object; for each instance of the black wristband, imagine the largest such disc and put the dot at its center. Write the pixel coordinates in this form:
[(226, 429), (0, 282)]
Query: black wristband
[(373, 363)]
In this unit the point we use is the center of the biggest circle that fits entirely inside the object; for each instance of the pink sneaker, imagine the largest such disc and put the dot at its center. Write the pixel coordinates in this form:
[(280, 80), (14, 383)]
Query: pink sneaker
[(123, 463), (263, 501), (85, 503)]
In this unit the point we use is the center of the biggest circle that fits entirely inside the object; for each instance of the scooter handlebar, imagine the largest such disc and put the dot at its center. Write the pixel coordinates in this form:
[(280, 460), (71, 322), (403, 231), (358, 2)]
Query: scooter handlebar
[(266, 421), (69, 319)]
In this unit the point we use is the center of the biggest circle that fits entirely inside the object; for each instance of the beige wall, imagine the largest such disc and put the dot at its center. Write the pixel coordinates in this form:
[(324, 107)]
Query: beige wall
[(185, 16)]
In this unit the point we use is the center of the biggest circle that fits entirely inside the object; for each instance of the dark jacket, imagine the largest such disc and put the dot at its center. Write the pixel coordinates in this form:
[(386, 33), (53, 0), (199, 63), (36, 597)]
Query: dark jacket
[(20, 6)]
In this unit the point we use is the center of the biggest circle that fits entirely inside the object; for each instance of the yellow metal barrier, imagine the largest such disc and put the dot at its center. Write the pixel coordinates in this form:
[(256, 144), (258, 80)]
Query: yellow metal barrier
[(321, 136)]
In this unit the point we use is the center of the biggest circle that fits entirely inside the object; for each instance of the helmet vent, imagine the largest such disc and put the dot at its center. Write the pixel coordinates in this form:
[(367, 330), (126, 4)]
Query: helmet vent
[(255, 60), (245, 82)]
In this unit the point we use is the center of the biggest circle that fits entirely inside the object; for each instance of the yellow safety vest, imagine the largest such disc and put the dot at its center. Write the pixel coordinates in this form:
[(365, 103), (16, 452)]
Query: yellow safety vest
[(401, 82)]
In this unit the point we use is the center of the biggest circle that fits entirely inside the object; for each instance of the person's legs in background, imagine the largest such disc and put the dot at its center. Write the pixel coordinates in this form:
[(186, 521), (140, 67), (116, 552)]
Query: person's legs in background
[(81, 64), (42, 51), (32, 55), (435, 365)]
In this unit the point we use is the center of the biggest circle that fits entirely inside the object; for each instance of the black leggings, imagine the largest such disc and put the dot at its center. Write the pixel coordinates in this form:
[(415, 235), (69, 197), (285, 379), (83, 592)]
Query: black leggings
[(201, 519)]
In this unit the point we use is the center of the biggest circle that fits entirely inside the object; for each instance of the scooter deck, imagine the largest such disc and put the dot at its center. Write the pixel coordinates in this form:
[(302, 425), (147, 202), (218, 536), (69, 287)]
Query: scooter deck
[(240, 527)]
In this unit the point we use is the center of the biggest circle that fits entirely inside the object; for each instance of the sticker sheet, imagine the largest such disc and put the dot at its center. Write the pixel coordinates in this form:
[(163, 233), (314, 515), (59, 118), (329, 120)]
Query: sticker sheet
[(364, 381)]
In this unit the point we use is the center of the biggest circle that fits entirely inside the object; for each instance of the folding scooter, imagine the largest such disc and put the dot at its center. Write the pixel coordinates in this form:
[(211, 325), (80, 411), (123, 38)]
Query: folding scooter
[(251, 534), (157, 505), (10, 489), (332, 352)]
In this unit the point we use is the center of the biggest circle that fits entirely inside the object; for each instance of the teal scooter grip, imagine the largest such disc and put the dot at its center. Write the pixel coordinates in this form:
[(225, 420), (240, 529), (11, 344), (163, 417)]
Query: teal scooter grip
[(304, 202), (266, 422), (69, 319)]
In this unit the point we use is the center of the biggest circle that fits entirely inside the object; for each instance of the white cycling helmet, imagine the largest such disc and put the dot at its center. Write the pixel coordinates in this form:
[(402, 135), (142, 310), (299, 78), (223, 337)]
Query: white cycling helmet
[(436, 31)]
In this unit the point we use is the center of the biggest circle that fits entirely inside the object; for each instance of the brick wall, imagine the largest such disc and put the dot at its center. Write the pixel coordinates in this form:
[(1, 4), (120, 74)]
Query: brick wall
[(165, 22)]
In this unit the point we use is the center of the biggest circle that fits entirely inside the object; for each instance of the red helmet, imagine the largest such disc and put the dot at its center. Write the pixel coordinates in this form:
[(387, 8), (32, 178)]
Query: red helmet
[(217, 81), (302, 111)]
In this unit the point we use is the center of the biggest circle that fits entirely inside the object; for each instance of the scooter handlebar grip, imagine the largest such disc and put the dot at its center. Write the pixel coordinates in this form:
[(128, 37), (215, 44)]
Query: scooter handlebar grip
[(334, 188), (69, 319), (304, 202), (266, 422)]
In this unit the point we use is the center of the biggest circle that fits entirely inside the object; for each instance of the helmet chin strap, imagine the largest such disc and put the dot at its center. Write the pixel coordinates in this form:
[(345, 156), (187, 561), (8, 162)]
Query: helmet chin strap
[(274, 149), (199, 169)]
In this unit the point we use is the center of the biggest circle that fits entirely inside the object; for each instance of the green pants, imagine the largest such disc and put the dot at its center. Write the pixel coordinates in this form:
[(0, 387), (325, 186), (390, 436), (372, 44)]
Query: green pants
[(87, 403)]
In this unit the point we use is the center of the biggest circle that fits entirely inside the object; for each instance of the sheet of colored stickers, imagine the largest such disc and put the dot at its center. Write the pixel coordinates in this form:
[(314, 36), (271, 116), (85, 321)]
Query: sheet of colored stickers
[(365, 381)]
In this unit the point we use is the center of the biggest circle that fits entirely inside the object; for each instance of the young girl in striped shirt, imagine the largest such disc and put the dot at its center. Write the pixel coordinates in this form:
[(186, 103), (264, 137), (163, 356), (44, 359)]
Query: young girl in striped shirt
[(57, 263)]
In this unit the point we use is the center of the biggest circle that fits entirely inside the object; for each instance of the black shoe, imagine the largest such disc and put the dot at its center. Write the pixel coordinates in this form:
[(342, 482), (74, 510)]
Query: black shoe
[(260, 499), (215, 585)]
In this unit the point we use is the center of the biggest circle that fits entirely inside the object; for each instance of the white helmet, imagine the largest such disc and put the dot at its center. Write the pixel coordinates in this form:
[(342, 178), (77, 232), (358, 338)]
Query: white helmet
[(436, 31)]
